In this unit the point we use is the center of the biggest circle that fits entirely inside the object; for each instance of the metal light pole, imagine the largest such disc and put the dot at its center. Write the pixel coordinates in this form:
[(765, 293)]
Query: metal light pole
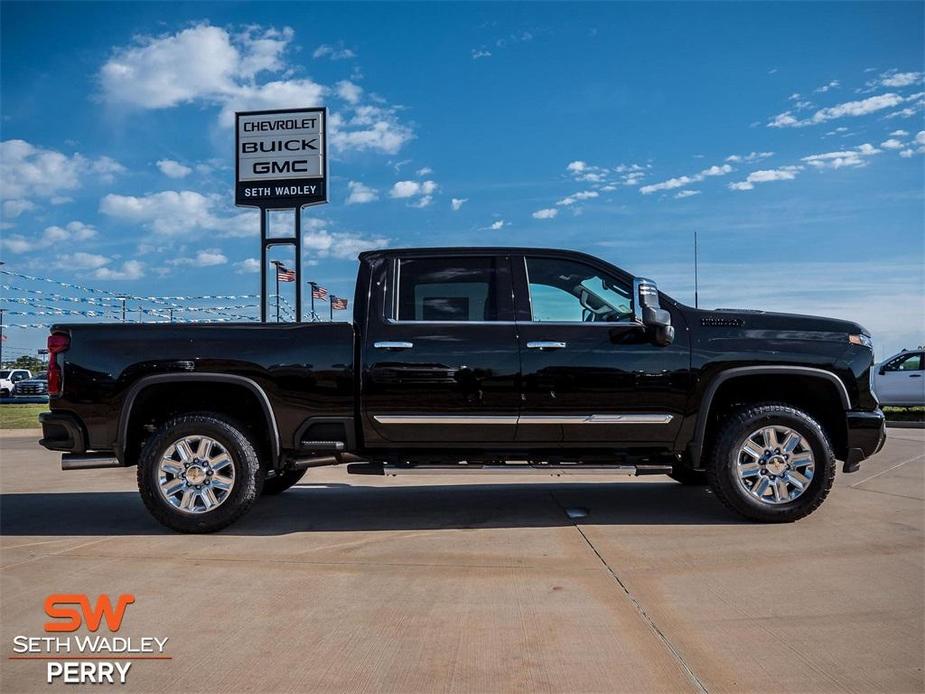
[(696, 294)]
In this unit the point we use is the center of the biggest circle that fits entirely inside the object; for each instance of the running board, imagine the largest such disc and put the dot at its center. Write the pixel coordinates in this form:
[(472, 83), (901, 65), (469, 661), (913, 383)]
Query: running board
[(87, 461), (542, 470)]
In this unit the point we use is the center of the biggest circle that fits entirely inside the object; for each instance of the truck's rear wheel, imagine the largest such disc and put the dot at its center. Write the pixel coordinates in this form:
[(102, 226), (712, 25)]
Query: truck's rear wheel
[(199, 473), (771, 463), (282, 481)]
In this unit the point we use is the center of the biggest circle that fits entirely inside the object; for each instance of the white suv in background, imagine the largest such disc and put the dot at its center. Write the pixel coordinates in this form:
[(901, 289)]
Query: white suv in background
[(900, 380), (9, 378)]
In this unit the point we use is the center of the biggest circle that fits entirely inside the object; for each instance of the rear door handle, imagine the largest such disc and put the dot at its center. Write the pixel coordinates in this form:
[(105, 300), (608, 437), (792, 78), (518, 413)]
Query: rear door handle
[(545, 344), (393, 345), (915, 375)]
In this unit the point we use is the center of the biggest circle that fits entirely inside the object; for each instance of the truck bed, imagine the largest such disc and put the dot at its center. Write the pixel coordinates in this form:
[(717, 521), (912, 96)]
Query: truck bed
[(307, 368)]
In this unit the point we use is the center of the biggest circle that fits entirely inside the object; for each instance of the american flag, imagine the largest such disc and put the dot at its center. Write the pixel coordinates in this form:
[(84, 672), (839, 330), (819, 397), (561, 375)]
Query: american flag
[(338, 303), (283, 273), (319, 292)]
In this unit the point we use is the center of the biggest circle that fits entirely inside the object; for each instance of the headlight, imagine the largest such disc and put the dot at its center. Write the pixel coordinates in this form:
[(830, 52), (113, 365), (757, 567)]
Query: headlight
[(862, 339)]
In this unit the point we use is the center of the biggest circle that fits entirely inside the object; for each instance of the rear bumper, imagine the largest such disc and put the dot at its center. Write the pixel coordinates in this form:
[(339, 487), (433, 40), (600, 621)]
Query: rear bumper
[(866, 436), (62, 431)]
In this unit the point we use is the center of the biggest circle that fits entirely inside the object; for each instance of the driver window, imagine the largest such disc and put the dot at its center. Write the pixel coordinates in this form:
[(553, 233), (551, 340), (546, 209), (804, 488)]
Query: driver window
[(569, 291), (908, 362)]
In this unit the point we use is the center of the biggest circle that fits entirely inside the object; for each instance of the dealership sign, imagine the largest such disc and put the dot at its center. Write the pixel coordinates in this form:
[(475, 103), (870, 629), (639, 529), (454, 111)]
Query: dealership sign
[(281, 158)]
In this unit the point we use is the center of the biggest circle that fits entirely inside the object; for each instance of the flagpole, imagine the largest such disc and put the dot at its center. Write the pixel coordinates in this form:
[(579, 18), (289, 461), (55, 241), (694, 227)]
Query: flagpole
[(277, 293), (312, 285), (331, 298)]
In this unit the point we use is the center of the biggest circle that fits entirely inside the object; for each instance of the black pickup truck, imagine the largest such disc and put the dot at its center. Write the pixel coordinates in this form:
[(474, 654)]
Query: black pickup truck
[(471, 360)]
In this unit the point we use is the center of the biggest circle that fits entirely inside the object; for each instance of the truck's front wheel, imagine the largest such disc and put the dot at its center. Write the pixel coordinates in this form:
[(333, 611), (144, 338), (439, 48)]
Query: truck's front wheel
[(771, 463), (199, 473)]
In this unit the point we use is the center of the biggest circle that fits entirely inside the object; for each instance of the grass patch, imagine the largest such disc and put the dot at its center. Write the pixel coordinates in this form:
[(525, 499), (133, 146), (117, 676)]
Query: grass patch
[(904, 414), (21, 416)]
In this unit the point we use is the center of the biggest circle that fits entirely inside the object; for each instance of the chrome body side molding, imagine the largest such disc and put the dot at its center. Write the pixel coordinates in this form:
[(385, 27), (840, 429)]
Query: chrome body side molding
[(655, 418)]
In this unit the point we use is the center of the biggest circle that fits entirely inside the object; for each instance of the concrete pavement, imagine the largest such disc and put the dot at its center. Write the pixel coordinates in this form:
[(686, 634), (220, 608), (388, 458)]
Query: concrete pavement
[(460, 583)]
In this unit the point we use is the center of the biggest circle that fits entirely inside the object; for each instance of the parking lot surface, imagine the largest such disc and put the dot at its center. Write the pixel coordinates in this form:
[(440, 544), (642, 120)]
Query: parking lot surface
[(458, 583)]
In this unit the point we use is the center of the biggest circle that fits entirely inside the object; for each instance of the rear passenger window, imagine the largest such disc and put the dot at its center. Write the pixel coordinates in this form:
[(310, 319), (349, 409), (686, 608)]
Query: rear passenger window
[(450, 289)]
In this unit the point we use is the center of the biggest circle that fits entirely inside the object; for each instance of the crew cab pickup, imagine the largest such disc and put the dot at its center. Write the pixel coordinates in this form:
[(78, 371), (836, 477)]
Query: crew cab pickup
[(465, 361)]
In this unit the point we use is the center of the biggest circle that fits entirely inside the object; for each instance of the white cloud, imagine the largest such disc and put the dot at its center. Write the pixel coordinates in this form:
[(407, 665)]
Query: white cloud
[(899, 133), (827, 87), (345, 246), (892, 143), (862, 107), (349, 92), (247, 266), (210, 65), (844, 158), (71, 233), (425, 171), (330, 52), (578, 197), (81, 261), (130, 270), (687, 193), (27, 171), (457, 203), (175, 213), (478, 53), (920, 146), (546, 213), (900, 79), (497, 225), (576, 166), (405, 189), (751, 156), (13, 208), (205, 258), (784, 173), (360, 193), (682, 181), (173, 169), (412, 189)]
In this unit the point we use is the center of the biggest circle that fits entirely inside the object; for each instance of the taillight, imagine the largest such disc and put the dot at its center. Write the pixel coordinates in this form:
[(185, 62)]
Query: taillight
[(57, 343)]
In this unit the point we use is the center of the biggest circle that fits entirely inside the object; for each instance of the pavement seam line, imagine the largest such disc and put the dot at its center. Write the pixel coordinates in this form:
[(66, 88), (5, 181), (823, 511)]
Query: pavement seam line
[(883, 472), (640, 610)]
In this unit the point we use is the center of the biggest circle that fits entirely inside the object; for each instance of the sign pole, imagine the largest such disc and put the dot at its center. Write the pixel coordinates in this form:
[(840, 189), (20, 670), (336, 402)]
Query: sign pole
[(263, 265), (331, 306), (298, 263)]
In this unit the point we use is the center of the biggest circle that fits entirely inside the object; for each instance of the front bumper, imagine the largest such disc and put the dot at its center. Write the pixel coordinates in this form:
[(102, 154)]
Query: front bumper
[(866, 436)]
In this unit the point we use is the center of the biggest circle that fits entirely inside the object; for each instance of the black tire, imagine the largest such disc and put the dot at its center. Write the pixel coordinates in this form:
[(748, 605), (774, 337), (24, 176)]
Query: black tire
[(248, 475), (688, 477), (722, 468), (282, 481)]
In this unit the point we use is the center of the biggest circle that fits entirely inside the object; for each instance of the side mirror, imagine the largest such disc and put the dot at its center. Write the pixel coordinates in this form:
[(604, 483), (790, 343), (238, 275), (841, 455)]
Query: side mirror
[(649, 312), (882, 370)]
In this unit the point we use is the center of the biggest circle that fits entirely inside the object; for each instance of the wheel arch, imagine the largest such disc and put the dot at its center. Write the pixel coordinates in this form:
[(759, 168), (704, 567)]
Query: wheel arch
[(138, 388), (835, 385)]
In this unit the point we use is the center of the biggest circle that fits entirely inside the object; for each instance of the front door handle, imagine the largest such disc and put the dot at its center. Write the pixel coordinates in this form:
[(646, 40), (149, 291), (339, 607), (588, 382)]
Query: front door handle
[(915, 375), (545, 344), (393, 345)]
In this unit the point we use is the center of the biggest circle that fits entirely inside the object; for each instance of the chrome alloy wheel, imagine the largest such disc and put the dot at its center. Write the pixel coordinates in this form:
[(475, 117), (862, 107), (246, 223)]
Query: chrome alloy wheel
[(195, 474), (775, 464)]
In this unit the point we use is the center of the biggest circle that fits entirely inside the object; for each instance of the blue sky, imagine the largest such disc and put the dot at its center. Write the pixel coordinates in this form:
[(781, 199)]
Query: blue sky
[(788, 135)]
